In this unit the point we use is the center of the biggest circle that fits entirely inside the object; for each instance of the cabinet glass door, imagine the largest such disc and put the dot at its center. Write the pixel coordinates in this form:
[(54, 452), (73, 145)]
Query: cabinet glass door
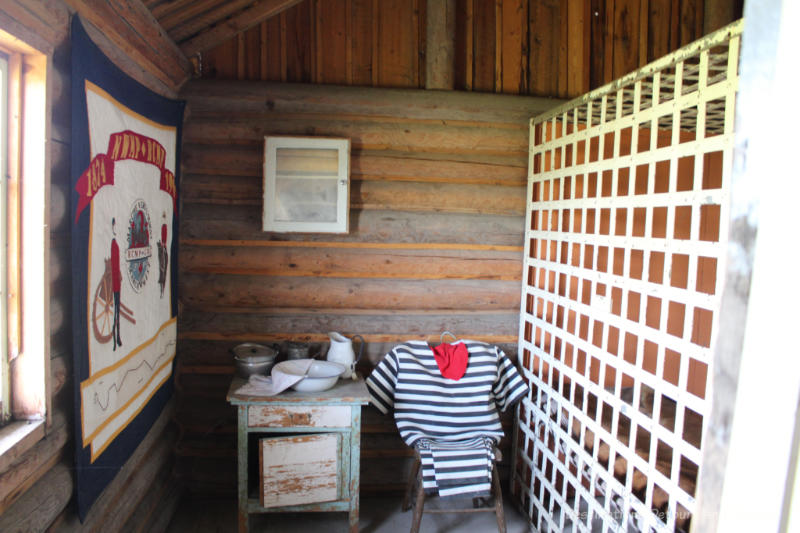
[(306, 184)]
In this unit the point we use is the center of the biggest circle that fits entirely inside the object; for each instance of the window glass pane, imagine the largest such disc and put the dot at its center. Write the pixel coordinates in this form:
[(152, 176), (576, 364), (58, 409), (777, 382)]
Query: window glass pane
[(305, 200), (4, 385)]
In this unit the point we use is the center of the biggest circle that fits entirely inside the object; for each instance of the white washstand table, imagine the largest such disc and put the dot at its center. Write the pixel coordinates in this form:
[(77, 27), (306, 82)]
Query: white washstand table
[(314, 464)]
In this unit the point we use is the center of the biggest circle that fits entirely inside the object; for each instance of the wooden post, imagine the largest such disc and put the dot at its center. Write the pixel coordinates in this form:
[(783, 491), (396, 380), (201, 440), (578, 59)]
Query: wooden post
[(440, 38), (753, 328)]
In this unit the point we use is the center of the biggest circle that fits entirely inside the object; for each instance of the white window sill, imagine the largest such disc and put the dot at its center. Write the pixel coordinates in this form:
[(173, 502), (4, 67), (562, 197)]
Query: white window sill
[(18, 437)]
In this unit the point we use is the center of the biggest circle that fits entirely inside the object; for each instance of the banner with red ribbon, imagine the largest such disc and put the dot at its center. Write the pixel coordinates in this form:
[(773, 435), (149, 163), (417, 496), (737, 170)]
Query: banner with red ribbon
[(124, 175), (123, 145)]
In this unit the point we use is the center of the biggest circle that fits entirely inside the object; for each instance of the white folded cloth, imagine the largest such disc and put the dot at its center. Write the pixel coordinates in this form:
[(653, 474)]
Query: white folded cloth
[(278, 381)]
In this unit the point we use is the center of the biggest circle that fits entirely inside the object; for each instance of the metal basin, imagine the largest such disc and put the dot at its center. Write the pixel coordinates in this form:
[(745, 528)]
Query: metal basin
[(322, 375)]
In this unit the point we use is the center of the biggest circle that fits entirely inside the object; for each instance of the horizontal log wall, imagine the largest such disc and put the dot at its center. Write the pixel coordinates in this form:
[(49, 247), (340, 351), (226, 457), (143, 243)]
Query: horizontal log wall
[(37, 485), (535, 47), (438, 184)]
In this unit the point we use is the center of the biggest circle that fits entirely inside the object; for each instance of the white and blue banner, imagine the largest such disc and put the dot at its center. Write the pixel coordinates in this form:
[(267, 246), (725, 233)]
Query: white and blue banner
[(124, 174)]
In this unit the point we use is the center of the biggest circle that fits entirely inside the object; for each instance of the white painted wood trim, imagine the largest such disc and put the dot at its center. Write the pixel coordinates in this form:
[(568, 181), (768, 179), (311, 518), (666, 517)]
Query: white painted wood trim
[(751, 481)]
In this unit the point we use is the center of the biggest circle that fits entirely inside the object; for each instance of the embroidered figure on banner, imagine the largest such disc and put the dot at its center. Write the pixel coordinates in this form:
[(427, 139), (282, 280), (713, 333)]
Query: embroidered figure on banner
[(116, 283), (107, 307), (163, 256)]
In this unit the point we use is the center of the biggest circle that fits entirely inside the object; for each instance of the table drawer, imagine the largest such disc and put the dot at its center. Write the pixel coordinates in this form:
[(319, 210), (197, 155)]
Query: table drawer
[(276, 416)]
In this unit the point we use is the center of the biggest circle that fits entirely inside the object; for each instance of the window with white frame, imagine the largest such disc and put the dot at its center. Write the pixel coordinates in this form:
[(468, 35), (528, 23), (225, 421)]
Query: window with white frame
[(24, 167)]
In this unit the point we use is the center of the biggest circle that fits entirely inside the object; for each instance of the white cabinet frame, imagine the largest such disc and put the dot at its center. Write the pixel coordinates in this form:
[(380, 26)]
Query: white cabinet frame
[(307, 197)]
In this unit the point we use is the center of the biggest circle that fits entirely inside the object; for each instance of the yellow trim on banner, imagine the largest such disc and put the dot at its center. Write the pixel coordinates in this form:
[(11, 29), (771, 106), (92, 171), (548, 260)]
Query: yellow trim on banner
[(107, 370), (96, 453)]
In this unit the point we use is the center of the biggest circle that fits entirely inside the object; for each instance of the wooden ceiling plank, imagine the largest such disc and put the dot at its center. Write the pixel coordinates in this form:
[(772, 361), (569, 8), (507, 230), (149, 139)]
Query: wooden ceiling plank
[(239, 23), (131, 26), (440, 39), (165, 8), (194, 25), (718, 13), (189, 10)]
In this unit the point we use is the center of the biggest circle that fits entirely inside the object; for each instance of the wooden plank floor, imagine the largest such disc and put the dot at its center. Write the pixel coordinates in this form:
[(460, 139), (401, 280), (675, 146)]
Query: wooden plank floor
[(378, 515)]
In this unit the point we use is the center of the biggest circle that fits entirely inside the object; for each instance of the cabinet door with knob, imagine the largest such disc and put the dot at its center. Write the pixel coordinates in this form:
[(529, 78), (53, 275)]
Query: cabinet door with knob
[(300, 469)]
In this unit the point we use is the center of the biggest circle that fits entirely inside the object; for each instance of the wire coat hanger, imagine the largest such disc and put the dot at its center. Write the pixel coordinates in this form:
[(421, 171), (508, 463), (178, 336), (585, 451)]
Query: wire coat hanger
[(441, 337)]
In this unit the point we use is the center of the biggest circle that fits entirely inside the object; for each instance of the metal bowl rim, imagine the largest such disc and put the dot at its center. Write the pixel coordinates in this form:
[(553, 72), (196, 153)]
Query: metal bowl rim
[(254, 357)]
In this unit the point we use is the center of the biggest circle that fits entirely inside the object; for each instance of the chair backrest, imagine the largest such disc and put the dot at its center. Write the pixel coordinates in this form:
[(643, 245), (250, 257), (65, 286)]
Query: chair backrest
[(427, 405)]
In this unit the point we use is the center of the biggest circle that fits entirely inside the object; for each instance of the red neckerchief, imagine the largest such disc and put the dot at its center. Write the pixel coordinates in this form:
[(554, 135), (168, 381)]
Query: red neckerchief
[(452, 359)]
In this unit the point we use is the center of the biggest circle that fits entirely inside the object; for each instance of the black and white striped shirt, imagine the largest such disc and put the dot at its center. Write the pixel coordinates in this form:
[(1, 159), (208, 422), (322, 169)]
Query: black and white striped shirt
[(444, 418)]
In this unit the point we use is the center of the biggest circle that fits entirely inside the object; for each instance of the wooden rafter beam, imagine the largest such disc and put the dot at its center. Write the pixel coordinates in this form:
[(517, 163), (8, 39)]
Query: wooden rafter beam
[(41, 27), (131, 26), (245, 20)]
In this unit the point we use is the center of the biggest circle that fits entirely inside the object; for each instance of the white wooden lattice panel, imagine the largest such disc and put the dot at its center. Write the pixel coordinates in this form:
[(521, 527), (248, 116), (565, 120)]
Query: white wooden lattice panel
[(627, 220)]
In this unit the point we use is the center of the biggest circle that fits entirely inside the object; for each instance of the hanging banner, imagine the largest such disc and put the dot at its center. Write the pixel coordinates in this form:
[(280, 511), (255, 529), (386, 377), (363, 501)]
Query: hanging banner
[(125, 154)]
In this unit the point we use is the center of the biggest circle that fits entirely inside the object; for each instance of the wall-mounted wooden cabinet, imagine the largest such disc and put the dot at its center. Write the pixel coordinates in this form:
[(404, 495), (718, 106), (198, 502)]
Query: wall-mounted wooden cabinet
[(306, 184)]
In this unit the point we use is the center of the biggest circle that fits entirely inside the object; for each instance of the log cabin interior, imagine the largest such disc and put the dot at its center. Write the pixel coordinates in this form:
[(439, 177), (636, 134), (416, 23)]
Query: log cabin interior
[(446, 224)]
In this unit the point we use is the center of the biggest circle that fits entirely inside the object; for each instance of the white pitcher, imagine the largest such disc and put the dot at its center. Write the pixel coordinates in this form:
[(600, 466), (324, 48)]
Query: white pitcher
[(341, 351)]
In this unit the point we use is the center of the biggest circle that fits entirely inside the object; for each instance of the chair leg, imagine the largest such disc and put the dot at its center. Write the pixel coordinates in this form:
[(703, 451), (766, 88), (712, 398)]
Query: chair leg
[(420, 505), (412, 479), (498, 501)]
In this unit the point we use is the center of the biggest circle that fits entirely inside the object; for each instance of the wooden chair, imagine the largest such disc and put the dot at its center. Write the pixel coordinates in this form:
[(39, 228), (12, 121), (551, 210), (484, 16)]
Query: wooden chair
[(415, 480)]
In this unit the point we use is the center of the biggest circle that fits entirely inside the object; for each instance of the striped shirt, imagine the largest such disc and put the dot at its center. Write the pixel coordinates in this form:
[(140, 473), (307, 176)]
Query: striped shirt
[(453, 424)]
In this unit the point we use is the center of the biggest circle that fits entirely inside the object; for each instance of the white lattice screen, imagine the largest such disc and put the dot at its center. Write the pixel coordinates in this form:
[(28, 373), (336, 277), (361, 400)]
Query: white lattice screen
[(627, 221)]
